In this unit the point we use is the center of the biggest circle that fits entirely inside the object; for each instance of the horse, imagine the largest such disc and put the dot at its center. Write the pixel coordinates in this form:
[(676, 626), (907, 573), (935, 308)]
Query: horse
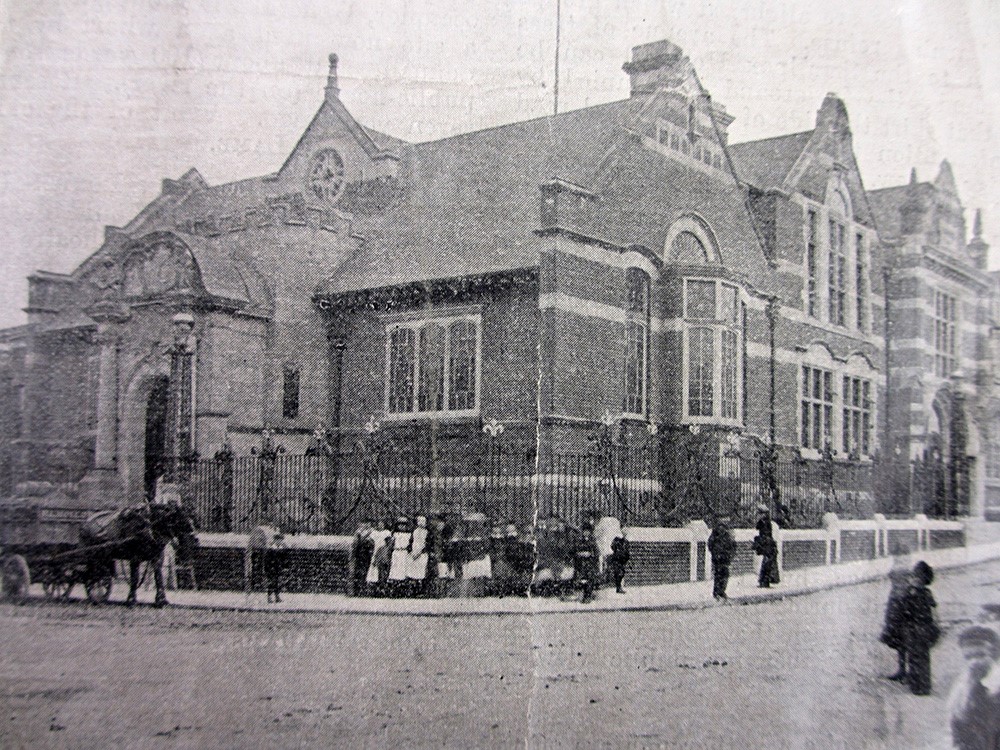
[(139, 534)]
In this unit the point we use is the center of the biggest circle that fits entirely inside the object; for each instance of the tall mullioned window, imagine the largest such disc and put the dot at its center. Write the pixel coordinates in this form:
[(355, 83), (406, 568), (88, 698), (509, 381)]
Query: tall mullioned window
[(945, 322), (812, 265), (817, 406), (433, 366), (290, 392), (837, 287), (636, 341), (861, 282), (857, 417), (713, 329)]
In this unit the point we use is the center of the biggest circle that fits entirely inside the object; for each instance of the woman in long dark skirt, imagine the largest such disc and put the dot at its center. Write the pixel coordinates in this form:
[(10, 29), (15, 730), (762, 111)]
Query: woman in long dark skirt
[(893, 634), (920, 628)]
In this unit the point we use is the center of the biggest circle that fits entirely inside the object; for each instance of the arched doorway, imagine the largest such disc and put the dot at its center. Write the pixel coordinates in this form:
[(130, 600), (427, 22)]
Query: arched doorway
[(946, 463), (156, 434)]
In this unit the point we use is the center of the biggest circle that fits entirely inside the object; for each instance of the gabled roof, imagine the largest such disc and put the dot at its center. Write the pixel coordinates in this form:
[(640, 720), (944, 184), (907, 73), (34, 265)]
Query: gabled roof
[(766, 163), (470, 203)]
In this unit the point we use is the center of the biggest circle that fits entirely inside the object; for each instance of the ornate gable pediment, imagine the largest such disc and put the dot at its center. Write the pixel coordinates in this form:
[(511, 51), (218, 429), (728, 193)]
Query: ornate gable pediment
[(151, 267)]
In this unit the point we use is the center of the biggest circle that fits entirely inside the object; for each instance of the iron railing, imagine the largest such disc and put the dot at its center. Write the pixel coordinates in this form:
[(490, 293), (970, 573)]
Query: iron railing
[(510, 483)]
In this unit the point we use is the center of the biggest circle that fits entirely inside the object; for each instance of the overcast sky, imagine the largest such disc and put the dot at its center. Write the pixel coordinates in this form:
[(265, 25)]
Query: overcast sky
[(101, 100)]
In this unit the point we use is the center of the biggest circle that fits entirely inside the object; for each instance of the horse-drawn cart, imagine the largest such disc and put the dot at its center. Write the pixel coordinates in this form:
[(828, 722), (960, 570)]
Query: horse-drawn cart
[(51, 536), (40, 542)]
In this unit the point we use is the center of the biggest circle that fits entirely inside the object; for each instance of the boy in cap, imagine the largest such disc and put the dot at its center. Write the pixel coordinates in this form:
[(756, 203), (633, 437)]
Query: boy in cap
[(974, 702), (920, 628)]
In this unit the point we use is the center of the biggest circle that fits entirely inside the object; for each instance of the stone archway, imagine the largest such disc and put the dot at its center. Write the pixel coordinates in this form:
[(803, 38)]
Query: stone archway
[(947, 456), (139, 403)]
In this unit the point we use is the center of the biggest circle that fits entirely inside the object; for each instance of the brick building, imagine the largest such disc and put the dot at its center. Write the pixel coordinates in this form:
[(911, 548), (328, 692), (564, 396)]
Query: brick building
[(620, 266)]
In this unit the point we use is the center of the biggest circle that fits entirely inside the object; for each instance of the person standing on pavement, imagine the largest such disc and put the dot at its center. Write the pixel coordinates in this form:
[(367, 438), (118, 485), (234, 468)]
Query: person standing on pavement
[(586, 563), (618, 560), (399, 562), (275, 561), (974, 701), (416, 570), (722, 545), (920, 628), (893, 635), (765, 546), (361, 554)]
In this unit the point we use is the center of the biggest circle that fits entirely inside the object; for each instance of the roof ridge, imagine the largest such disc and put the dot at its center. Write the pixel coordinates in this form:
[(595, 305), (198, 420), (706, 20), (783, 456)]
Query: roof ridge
[(521, 122), (774, 138)]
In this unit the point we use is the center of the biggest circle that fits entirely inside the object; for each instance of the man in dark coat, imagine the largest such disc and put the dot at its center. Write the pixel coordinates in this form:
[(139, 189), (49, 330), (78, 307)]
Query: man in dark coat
[(974, 702), (275, 562), (765, 546), (618, 560), (586, 564), (364, 550), (722, 546)]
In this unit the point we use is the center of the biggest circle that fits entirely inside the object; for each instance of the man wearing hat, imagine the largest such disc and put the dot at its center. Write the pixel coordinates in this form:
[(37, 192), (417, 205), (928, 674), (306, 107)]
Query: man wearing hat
[(722, 546), (974, 702), (765, 546)]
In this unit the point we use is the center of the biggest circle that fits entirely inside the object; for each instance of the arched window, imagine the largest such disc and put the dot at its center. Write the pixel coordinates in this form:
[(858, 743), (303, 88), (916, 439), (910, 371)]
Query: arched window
[(636, 341), (713, 333), (688, 248)]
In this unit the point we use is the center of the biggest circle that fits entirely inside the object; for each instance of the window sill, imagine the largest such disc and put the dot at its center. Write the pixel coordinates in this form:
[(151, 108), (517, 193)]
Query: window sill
[(433, 416)]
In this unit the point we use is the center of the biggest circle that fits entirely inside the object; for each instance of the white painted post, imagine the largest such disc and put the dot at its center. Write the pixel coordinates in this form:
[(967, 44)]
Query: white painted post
[(832, 524), (699, 533)]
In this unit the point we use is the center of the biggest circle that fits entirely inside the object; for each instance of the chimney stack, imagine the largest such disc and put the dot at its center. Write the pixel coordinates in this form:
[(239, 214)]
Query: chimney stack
[(653, 64)]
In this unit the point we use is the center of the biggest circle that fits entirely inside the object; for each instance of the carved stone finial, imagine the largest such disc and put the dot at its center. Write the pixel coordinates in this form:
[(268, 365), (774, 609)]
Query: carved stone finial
[(332, 86), (977, 224)]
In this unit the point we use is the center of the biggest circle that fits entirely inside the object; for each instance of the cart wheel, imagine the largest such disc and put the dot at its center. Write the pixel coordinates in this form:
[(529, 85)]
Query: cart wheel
[(99, 589), (16, 578)]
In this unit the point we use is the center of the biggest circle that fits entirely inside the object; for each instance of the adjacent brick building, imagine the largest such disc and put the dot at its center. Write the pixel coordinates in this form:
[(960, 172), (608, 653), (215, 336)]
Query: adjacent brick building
[(622, 264)]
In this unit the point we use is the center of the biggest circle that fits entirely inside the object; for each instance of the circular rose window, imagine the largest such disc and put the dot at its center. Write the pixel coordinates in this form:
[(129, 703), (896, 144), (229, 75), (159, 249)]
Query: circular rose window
[(326, 176)]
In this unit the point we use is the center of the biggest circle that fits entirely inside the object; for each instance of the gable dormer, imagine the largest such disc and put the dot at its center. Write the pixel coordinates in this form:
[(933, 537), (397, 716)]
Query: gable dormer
[(678, 116), (948, 223), (337, 159)]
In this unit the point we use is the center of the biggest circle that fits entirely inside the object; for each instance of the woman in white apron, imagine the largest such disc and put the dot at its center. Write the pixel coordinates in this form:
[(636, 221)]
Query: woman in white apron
[(400, 565), (417, 568)]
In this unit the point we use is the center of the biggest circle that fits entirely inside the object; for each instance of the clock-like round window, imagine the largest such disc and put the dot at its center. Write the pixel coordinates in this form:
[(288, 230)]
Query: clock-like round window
[(326, 176)]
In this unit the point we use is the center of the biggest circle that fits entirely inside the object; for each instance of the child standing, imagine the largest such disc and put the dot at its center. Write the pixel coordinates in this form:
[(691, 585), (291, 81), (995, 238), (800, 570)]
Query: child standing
[(892, 632), (919, 628)]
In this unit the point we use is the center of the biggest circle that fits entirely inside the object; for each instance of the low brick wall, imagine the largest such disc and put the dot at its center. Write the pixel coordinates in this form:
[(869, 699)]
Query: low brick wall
[(803, 553), (659, 556), (857, 544), (944, 538), (654, 563), (316, 564)]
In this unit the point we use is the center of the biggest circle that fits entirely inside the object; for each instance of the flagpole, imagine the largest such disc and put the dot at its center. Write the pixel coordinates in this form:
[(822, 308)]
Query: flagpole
[(555, 87)]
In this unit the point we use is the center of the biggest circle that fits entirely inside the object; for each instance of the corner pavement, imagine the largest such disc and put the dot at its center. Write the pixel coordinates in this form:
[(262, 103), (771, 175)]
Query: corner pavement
[(695, 595)]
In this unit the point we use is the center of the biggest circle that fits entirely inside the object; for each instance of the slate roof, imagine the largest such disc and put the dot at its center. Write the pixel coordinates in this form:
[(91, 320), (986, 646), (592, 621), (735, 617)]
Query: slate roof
[(886, 203), (765, 163), (470, 202)]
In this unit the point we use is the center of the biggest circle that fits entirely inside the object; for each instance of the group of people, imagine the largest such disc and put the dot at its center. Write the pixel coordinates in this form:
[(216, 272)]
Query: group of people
[(911, 629), (576, 561), (421, 558), (722, 547), (442, 555)]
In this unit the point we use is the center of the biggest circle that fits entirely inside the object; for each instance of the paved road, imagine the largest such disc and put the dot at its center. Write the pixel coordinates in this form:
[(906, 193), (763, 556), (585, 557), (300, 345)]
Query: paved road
[(798, 673)]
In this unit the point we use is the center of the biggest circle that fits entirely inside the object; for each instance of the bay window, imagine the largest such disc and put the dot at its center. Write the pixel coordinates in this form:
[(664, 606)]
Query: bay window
[(712, 350)]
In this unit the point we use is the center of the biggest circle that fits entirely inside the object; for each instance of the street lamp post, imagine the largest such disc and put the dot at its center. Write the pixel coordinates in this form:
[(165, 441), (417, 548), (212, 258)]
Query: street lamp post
[(180, 435)]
